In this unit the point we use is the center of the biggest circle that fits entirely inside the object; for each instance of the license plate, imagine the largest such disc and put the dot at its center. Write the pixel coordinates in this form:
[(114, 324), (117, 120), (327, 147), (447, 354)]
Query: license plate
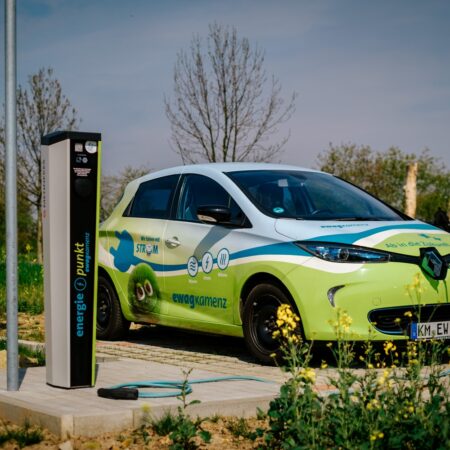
[(430, 330)]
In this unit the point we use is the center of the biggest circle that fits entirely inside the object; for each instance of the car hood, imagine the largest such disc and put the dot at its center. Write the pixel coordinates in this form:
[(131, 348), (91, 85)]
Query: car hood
[(405, 237)]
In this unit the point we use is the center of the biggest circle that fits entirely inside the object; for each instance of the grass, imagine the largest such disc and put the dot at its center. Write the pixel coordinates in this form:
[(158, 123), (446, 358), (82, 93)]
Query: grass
[(239, 427), (165, 424), (30, 287), (22, 436), (29, 356)]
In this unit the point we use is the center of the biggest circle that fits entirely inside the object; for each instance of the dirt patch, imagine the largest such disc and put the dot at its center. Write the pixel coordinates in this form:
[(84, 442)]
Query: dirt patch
[(30, 327), (224, 431)]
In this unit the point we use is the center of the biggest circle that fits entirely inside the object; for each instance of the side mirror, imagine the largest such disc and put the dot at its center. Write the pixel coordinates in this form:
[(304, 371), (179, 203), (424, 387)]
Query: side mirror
[(214, 215)]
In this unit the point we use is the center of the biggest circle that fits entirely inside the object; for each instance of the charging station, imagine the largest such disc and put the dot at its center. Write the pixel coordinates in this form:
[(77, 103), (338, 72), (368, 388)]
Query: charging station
[(70, 168)]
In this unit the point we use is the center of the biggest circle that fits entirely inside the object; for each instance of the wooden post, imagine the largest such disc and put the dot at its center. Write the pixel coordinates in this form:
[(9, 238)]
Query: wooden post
[(411, 190)]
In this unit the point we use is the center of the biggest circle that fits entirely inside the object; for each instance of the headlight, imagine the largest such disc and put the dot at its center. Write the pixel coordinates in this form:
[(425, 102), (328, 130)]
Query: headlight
[(342, 253)]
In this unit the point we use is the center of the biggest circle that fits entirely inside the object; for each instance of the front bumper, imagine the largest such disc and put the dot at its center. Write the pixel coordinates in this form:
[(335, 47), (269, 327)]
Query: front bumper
[(397, 320), (373, 295)]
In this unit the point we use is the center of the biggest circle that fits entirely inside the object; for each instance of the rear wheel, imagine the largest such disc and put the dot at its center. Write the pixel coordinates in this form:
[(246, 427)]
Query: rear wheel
[(259, 321), (111, 324)]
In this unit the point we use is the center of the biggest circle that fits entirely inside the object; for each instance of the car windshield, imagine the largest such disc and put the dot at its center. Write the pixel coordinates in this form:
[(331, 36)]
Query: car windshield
[(309, 196)]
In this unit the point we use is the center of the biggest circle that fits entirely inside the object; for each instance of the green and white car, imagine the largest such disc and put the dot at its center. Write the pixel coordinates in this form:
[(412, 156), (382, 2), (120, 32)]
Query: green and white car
[(218, 247)]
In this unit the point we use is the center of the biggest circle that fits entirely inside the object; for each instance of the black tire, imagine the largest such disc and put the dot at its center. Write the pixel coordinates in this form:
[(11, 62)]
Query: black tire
[(259, 321), (111, 324)]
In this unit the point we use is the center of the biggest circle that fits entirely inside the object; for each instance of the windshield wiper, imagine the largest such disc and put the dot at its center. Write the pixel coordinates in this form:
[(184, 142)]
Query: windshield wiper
[(337, 219), (356, 218)]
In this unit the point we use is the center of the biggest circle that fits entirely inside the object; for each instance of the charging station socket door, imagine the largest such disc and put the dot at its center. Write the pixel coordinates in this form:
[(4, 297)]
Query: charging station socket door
[(70, 167)]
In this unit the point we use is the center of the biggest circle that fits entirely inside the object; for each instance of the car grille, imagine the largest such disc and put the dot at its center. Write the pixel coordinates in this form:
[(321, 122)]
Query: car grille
[(394, 321)]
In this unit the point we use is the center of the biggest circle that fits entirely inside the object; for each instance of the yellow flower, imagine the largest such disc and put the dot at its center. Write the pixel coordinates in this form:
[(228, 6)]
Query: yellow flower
[(28, 248), (408, 314), (324, 365), (345, 321), (389, 347), (308, 375), (373, 404), (376, 435), (382, 380)]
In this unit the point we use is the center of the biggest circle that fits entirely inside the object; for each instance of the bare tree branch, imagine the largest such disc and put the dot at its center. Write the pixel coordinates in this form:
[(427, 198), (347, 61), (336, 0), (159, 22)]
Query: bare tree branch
[(41, 109), (223, 109)]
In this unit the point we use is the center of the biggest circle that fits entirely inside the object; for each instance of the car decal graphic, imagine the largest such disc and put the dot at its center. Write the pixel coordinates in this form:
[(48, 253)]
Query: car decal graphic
[(124, 259), (377, 238), (352, 238)]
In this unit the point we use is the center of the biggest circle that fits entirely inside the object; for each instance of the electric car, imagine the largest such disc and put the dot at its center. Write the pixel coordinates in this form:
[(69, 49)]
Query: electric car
[(218, 247)]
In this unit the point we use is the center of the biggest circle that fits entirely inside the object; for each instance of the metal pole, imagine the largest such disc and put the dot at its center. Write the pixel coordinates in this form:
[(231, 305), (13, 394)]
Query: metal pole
[(11, 197)]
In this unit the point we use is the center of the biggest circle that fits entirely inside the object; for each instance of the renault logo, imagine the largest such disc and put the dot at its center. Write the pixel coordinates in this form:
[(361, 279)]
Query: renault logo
[(432, 263)]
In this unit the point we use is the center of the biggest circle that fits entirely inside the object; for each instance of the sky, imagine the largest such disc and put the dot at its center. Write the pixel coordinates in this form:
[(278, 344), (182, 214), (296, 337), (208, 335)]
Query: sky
[(366, 72)]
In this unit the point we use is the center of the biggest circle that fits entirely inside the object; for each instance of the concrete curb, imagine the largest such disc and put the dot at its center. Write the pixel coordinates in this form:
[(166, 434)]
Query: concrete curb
[(79, 412)]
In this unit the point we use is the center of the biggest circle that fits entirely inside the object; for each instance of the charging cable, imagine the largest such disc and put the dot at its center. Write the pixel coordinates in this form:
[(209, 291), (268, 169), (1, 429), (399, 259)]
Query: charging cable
[(131, 391)]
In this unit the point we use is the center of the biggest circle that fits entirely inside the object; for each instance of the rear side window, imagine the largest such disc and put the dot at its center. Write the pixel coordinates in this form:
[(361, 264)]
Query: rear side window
[(153, 199)]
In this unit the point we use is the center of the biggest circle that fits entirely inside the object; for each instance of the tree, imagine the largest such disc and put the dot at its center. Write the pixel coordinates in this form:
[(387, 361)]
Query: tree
[(41, 109), (224, 107), (383, 174), (114, 185), (25, 222)]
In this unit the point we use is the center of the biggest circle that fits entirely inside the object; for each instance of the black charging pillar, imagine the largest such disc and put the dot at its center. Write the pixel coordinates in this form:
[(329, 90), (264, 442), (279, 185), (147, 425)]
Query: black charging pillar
[(71, 164)]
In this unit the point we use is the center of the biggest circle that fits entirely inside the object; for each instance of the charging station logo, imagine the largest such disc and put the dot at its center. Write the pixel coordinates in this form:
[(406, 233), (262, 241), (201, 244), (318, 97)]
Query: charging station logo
[(81, 252), (80, 284)]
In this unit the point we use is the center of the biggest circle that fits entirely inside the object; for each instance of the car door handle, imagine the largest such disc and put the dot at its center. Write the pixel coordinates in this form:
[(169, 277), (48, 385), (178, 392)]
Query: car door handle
[(172, 242)]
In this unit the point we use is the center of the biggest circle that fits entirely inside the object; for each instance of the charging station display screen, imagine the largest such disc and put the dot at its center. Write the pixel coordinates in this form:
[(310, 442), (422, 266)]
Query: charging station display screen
[(83, 208)]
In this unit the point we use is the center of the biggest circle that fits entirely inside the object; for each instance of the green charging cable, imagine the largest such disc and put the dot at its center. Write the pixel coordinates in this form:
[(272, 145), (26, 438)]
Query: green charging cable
[(131, 391)]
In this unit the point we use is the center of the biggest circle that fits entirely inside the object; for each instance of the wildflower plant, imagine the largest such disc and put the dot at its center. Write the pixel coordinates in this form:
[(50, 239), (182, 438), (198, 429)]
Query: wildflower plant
[(298, 406), (399, 399)]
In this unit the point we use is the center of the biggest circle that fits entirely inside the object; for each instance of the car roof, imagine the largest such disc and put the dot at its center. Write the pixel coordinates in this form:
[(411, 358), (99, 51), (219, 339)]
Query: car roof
[(216, 168)]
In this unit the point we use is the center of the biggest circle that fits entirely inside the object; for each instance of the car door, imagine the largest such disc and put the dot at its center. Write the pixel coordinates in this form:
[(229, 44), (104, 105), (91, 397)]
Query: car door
[(136, 247), (198, 280)]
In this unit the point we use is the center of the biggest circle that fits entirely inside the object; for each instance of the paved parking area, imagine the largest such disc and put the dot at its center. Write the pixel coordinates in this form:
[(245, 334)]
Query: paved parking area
[(179, 348), (149, 353)]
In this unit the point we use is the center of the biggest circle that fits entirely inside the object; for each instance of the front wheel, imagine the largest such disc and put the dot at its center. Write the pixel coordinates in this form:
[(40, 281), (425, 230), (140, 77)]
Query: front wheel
[(111, 324), (259, 321)]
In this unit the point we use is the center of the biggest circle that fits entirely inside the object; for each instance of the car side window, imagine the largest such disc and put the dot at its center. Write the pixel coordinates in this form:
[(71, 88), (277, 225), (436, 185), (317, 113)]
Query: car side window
[(199, 190), (153, 199)]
